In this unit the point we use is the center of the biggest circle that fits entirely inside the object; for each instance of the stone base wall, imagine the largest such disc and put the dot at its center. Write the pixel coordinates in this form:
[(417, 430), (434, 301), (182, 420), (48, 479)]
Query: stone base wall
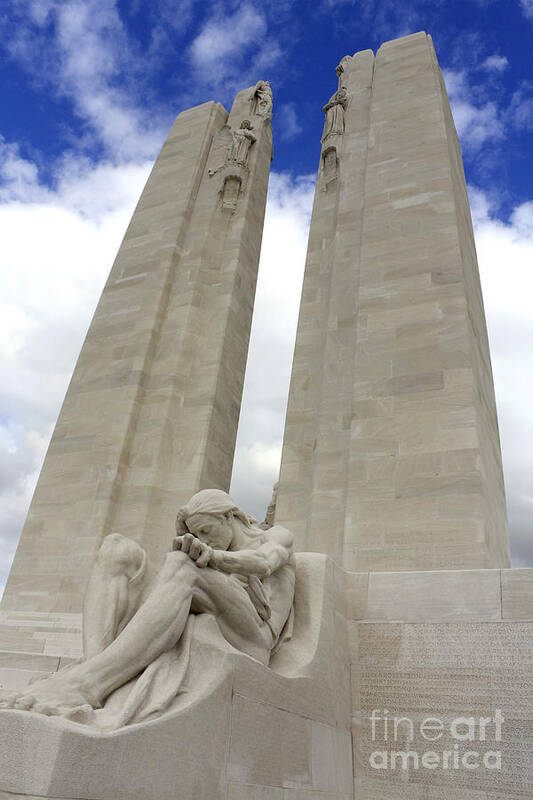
[(34, 644), (444, 645)]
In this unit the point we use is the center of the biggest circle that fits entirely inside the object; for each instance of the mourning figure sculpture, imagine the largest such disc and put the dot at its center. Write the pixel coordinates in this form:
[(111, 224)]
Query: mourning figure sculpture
[(221, 563)]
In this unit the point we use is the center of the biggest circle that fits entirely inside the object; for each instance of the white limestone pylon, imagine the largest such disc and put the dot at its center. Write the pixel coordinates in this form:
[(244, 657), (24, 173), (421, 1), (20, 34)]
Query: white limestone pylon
[(391, 456)]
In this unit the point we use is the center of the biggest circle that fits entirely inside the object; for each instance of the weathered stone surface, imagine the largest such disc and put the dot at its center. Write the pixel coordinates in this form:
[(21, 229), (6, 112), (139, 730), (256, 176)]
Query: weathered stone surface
[(437, 595), (240, 791)]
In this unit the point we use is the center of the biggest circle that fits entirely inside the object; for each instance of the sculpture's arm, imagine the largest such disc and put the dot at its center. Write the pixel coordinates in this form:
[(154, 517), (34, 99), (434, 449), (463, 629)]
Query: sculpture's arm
[(274, 553)]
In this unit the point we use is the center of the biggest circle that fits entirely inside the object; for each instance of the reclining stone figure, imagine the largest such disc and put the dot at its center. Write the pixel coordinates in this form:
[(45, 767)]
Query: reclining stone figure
[(222, 563)]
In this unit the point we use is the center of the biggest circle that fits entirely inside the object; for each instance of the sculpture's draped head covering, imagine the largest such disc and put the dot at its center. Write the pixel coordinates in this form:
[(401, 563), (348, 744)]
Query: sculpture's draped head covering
[(210, 501)]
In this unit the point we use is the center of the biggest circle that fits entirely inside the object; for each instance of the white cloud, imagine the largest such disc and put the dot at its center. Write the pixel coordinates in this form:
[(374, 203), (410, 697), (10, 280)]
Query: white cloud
[(288, 124), (81, 49), (521, 107), (505, 254), (475, 124), (481, 206), (224, 37), (18, 177), (527, 8), (233, 50), (22, 450), (522, 219), (495, 63)]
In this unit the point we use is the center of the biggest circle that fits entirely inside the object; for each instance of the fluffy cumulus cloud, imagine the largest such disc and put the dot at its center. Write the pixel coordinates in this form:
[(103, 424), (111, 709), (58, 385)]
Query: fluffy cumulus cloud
[(476, 122), (18, 176), (232, 49), (495, 63), (527, 8), (505, 254), (81, 49), (57, 248), (223, 38)]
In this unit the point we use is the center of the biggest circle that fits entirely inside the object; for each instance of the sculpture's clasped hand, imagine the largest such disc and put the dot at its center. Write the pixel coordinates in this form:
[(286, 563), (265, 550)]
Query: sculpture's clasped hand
[(198, 551)]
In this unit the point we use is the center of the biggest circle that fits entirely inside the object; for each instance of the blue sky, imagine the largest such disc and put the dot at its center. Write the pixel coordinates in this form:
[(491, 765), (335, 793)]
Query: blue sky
[(67, 67), (88, 91)]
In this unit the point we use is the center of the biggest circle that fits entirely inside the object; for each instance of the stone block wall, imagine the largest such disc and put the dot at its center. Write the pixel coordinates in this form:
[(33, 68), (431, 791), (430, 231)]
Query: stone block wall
[(35, 644), (443, 645)]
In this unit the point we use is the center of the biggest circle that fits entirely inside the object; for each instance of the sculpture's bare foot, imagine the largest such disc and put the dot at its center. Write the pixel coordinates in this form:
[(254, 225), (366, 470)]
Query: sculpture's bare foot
[(56, 695)]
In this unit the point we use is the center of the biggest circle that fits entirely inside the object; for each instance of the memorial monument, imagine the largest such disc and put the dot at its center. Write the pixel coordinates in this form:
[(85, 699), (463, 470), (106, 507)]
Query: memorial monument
[(368, 641)]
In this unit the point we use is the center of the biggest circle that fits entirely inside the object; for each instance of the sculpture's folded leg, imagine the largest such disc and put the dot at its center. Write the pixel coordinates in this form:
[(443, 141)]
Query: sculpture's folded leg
[(152, 692)]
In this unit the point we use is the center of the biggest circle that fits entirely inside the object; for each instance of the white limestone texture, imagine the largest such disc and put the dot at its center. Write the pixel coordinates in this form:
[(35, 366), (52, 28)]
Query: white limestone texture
[(391, 457), (151, 413)]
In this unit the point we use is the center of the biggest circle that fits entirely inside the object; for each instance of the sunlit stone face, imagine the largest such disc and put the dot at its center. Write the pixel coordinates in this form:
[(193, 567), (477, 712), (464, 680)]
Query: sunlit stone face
[(213, 529)]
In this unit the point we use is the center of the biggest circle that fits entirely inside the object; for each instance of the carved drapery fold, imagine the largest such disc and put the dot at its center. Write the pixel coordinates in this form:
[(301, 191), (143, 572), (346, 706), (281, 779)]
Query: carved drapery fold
[(334, 111), (242, 140), (235, 167), (261, 100)]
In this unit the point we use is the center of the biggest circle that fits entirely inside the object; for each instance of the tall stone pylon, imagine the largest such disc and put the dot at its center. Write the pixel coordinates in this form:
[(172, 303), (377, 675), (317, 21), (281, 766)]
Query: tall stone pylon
[(391, 457), (151, 413)]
